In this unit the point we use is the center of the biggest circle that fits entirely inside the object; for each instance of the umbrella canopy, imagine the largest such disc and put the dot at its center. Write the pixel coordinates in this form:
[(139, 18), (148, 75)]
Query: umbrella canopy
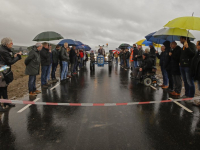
[(115, 51), (80, 47), (150, 37), (86, 48), (124, 46), (78, 43), (48, 36), (173, 34), (69, 41), (144, 42), (190, 23)]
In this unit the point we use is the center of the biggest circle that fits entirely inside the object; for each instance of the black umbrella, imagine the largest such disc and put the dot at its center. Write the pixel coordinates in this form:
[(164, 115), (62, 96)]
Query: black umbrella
[(124, 46), (48, 36)]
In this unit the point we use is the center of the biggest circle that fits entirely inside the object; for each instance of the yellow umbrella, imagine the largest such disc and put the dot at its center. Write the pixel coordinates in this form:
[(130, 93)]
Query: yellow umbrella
[(189, 23), (143, 40), (140, 42)]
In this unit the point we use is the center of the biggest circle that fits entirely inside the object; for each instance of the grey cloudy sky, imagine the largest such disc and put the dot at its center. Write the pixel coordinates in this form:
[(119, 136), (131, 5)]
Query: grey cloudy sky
[(94, 22)]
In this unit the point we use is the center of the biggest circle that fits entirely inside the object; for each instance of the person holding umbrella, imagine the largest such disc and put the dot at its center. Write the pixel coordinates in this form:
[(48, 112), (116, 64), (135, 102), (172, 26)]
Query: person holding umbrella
[(45, 63), (187, 53)]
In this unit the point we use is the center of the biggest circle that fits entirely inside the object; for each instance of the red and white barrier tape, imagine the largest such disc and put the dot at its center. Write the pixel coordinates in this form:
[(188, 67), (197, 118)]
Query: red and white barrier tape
[(95, 104)]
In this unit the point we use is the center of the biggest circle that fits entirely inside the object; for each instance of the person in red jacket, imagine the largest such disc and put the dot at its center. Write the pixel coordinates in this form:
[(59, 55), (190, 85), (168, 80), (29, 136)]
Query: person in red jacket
[(81, 54)]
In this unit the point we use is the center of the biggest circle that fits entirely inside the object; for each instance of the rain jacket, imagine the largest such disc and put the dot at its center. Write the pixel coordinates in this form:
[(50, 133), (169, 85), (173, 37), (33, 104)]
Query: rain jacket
[(64, 55), (45, 57), (195, 66), (32, 62), (72, 56), (187, 54), (140, 53), (131, 57), (55, 56), (175, 59)]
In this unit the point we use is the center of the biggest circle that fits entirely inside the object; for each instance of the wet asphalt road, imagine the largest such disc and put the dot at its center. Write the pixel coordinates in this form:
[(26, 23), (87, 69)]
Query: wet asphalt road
[(141, 127)]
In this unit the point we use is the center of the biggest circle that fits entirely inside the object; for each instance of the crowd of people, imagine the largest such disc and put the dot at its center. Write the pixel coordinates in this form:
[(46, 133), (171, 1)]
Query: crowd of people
[(71, 60), (177, 65)]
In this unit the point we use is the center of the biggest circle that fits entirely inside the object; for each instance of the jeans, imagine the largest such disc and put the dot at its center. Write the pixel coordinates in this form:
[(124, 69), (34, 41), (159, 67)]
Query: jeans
[(165, 76), (53, 72), (188, 82), (44, 74), (4, 92), (116, 59), (135, 64), (122, 61), (81, 63), (127, 63), (32, 84), (64, 70), (49, 72)]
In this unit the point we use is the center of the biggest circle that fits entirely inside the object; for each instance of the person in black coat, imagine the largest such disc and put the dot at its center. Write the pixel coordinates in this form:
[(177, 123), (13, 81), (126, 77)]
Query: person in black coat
[(135, 53), (127, 58), (175, 68), (167, 66), (72, 56), (146, 66), (45, 63), (152, 53), (7, 57), (195, 70), (162, 57), (187, 53)]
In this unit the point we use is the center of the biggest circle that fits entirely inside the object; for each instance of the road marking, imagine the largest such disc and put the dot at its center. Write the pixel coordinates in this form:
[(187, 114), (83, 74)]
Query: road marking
[(24, 108), (55, 86), (185, 108)]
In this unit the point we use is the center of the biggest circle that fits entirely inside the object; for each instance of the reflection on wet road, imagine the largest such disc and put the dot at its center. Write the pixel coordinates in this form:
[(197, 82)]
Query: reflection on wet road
[(141, 127)]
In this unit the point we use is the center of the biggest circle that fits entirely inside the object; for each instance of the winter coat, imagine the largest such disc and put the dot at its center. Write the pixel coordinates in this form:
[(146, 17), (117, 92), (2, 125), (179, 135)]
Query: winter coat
[(187, 54), (167, 64), (152, 52), (32, 62), (45, 57), (7, 56), (195, 66), (140, 53), (162, 57), (64, 55), (72, 56), (128, 55), (135, 52), (55, 56), (147, 64), (175, 59)]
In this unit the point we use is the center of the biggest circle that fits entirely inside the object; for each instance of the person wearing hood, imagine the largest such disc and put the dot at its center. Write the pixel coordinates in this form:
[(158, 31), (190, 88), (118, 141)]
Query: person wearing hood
[(175, 68), (168, 66), (146, 66), (195, 70), (32, 63), (187, 53)]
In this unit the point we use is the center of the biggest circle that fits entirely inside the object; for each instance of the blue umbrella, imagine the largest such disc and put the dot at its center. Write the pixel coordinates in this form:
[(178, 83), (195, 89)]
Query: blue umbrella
[(153, 39), (78, 43), (69, 41), (147, 43), (80, 47), (87, 48)]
